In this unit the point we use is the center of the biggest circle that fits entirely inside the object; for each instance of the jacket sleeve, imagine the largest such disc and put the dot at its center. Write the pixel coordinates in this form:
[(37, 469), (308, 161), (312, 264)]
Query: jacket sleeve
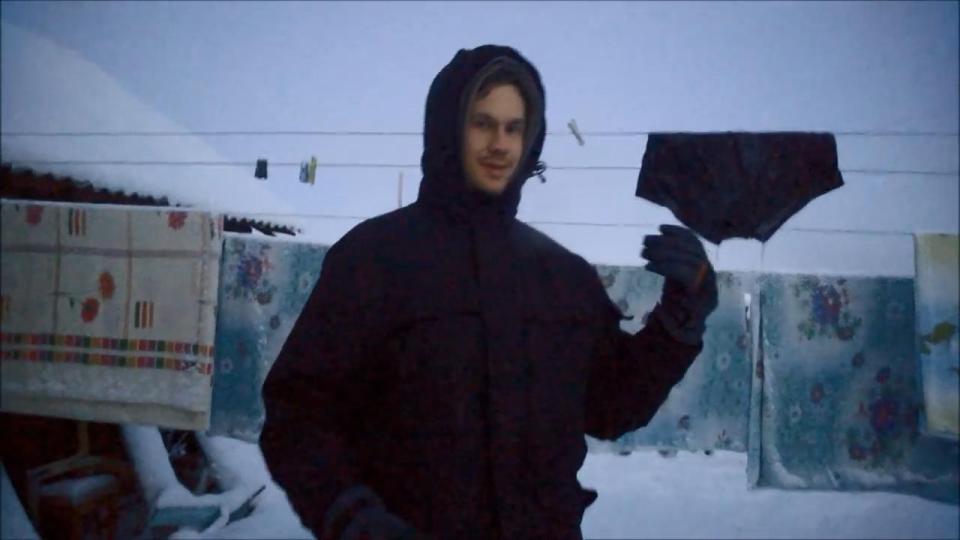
[(630, 374), (313, 392)]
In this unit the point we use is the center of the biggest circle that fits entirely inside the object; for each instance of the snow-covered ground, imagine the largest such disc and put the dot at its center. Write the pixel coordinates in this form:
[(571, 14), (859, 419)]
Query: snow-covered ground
[(644, 495)]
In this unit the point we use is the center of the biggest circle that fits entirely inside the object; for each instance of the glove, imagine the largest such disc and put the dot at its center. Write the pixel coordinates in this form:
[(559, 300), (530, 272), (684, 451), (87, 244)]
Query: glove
[(375, 523), (690, 288), (360, 514)]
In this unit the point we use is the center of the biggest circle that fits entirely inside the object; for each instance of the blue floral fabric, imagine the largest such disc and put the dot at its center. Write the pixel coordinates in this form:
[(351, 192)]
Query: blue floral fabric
[(819, 381), (841, 402), (709, 408), (264, 285)]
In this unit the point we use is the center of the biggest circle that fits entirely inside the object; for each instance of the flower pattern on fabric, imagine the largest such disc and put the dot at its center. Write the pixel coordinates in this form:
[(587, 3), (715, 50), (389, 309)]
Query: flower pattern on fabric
[(34, 215), (883, 415), (943, 332), (713, 397), (106, 285), (176, 220), (249, 273), (89, 309), (828, 304), (263, 287), (840, 409)]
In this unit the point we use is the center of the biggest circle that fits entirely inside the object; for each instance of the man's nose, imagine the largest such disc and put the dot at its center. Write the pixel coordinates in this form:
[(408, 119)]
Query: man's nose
[(498, 141)]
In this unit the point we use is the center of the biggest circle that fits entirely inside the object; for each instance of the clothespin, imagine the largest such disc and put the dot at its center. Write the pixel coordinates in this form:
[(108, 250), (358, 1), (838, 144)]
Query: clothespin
[(303, 172), (312, 170), (261, 170), (572, 124)]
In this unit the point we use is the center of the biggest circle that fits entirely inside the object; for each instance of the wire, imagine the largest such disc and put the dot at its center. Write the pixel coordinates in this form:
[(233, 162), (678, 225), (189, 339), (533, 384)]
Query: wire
[(404, 166), (581, 224), (259, 133), (317, 216)]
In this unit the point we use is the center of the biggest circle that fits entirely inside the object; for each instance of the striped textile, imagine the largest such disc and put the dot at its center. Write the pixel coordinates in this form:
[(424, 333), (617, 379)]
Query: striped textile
[(108, 313)]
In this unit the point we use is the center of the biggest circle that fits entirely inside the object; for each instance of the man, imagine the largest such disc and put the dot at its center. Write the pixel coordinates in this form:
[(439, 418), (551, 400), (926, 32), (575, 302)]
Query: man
[(450, 359)]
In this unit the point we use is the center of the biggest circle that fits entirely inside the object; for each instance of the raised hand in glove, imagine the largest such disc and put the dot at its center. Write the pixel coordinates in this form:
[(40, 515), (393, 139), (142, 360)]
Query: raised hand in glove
[(690, 290), (359, 514)]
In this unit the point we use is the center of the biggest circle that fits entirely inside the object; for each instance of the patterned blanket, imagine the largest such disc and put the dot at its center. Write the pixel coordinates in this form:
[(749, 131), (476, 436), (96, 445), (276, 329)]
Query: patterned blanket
[(108, 313)]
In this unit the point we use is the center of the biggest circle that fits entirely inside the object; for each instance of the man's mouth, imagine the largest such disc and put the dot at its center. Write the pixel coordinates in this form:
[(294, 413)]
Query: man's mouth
[(495, 169)]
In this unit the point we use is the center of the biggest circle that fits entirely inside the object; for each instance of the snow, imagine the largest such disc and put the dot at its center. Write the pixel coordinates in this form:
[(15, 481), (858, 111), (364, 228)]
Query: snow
[(645, 495), (57, 99), (239, 467), (14, 522), (77, 489)]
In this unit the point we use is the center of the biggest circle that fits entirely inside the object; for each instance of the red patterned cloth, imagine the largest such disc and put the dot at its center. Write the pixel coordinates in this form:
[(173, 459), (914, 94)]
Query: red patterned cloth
[(108, 313)]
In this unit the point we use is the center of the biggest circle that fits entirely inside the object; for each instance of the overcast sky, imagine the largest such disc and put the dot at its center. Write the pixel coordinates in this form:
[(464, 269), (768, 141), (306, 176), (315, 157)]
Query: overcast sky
[(340, 66)]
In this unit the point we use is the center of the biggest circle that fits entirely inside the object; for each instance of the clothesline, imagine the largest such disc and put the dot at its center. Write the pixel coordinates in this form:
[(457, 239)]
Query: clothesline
[(613, 133), (400, 166), (573, 223)]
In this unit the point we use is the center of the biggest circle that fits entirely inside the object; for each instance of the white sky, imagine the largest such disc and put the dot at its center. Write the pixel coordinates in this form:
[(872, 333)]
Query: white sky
[(612, 66), (637, 66)]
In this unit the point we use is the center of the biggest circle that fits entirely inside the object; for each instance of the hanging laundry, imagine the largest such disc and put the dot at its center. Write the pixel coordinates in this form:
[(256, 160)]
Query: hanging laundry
[(737, 184), (312, 170), (126, 334), (304, 175), (261, 171), (938, 317), (709, 409), (256, 312), (840, 401)]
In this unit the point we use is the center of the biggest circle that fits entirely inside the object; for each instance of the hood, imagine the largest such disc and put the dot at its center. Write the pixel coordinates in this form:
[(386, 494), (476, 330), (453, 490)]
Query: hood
[(444, 183)]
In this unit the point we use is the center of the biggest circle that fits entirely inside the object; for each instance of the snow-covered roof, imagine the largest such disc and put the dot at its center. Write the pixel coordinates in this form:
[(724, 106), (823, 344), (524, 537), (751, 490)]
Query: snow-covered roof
[(26, 183), (47, 88)]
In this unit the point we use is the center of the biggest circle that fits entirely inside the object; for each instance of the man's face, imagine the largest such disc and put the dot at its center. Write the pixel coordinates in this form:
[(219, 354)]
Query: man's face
[(493, 139)]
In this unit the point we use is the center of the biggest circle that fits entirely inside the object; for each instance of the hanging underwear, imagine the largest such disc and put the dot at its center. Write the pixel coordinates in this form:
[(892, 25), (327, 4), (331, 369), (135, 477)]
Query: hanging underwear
[(737, 184)]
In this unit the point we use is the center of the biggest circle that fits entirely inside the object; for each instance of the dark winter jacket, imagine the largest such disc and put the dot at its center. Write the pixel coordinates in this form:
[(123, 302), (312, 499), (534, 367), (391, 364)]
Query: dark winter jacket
[(452, 357)]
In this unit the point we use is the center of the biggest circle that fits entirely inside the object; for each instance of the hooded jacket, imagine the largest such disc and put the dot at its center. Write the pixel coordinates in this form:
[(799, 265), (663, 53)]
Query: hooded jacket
[(452, 358)]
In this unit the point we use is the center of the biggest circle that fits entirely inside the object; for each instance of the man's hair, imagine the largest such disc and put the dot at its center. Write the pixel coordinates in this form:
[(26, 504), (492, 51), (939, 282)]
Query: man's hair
[(508, 74)]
